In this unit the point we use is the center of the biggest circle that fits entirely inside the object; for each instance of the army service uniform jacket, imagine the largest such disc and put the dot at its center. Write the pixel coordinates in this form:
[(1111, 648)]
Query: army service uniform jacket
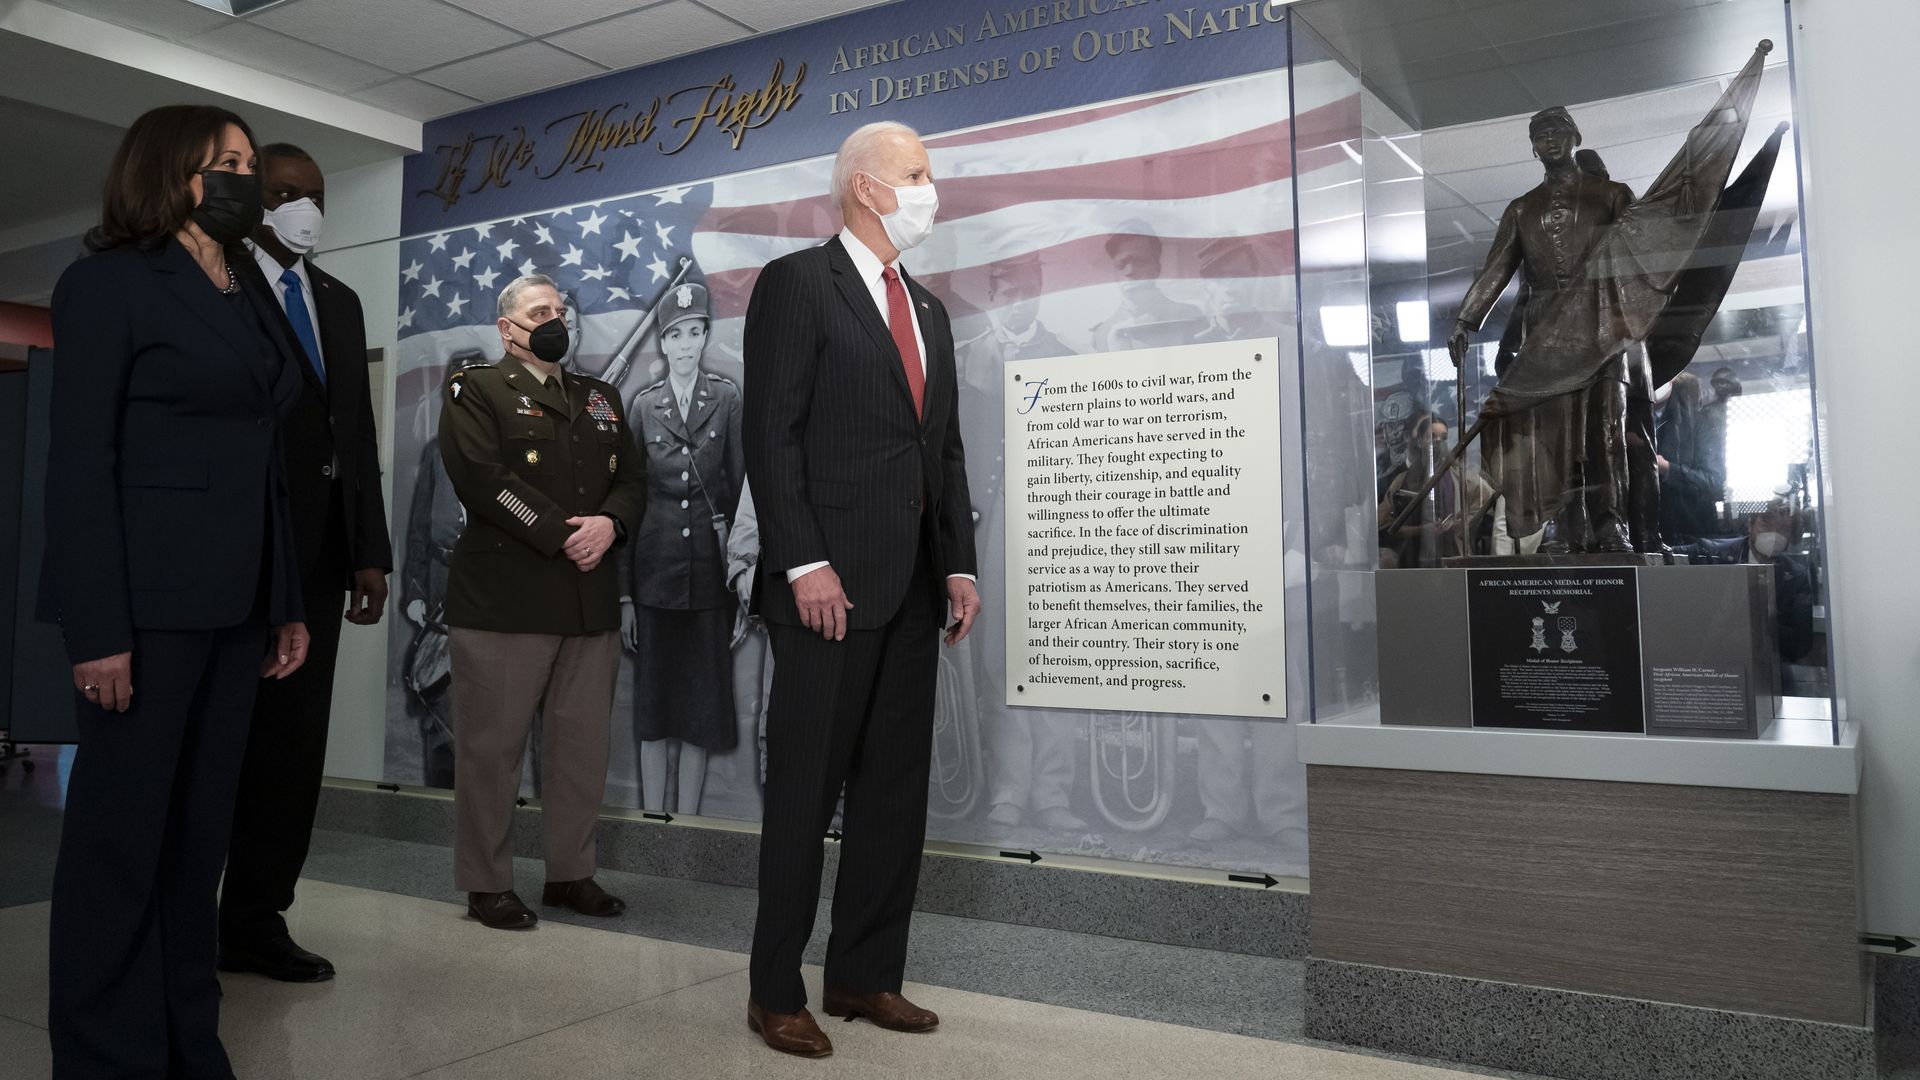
[(695, 469), (524, 457)]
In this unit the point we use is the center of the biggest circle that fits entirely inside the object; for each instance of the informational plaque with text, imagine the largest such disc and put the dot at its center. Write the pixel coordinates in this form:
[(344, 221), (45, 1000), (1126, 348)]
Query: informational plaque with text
[(1144, 553), (1555, 648)]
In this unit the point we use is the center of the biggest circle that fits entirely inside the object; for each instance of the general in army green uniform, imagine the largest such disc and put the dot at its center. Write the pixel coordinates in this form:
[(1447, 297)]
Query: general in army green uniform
[(546, 468), (679, 615)]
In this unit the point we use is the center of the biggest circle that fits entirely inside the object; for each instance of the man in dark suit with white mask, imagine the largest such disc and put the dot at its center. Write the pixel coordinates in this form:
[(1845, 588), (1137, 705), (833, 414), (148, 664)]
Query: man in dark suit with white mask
[(854, 454), (340, 533)]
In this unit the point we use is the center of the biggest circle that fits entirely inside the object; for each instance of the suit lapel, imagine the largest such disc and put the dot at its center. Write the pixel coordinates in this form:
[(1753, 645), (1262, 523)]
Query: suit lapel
[(702, 405), (279, 327), (327, 326), (522, 383), (662, 404), (190, 286), (855, 292)]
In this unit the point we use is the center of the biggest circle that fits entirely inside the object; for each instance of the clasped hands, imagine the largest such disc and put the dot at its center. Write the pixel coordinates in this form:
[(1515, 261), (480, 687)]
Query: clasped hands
[(824, 605), (591, 538)]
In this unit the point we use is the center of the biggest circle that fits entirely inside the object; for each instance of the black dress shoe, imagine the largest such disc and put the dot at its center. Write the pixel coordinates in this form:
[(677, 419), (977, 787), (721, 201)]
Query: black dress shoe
[(276, 958), (501, 910), (584, 896)]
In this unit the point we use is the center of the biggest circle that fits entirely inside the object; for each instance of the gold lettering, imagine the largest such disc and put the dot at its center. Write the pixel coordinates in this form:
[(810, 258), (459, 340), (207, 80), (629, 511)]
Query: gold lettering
[(453, 172)]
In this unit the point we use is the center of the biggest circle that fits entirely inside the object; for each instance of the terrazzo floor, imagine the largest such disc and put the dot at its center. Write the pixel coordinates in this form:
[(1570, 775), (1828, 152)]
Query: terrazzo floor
[(661, 991)]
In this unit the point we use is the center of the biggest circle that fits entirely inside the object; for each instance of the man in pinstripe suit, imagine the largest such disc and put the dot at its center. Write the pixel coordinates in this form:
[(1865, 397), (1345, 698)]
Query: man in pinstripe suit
[(854, 456)]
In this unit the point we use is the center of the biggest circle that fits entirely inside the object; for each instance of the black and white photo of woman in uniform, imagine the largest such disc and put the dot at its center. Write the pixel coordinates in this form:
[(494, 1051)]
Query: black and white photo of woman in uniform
[(676, 611)]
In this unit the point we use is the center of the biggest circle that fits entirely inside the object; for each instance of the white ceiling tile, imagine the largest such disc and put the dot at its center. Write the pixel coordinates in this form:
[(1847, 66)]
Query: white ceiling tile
[(403, 35), (162, 18), (541, 17), (415, 99), (509, 73), (658, 33), (774, 14), (259, 47)]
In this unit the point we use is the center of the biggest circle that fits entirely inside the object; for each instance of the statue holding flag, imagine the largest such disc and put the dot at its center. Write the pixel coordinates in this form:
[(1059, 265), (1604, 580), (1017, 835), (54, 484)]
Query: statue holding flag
[(1605, 276)]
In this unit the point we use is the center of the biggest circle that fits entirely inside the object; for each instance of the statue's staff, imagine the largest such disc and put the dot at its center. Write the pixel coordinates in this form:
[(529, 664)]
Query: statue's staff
[(623, 356), (1453, 459)]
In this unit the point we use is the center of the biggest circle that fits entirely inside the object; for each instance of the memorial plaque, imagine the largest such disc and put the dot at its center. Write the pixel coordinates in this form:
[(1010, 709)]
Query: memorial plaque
[(1556, 649)]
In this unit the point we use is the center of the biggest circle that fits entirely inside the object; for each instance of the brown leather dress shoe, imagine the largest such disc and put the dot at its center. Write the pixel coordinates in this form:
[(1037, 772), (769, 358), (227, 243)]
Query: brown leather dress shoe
[(501, 910), (584, 896), (888, 1010), (789, 1033)]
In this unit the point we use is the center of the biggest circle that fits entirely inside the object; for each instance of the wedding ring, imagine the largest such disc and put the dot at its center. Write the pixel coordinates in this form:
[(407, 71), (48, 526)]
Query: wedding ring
[(90, 690)]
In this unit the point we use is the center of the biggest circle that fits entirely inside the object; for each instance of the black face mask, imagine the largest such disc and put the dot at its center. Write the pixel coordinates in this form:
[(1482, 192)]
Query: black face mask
[(229, 205), (548, 341)]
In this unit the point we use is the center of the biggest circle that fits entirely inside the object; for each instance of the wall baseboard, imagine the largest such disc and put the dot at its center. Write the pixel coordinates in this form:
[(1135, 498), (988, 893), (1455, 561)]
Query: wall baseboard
[(1252, 922)]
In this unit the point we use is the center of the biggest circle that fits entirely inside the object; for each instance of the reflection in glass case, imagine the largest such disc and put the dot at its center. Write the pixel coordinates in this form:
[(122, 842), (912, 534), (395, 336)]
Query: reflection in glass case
[(1562, 446)]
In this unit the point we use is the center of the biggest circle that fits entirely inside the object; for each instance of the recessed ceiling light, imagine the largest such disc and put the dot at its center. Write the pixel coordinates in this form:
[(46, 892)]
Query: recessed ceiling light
[(237, 7)]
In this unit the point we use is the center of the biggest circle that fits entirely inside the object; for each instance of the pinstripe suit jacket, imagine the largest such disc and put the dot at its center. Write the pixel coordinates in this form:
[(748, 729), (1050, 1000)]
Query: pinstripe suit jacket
[(838, 462)]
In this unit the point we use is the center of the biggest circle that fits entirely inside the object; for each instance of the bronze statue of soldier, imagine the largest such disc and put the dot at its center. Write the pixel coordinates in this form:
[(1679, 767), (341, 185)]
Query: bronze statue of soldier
[(1567, 453), (1600, 270)]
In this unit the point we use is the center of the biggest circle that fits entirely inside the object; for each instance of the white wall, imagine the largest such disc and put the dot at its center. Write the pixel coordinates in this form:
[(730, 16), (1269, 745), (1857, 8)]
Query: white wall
[(1863, 232), (361, 247)]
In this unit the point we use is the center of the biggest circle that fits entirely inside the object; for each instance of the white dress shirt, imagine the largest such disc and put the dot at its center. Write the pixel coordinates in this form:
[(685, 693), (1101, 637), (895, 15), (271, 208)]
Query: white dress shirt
[(873, 272), (271, 267)]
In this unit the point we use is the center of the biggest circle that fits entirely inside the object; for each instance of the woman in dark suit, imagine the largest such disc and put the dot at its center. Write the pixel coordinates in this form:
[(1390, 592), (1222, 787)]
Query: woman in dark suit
[(170, 569)]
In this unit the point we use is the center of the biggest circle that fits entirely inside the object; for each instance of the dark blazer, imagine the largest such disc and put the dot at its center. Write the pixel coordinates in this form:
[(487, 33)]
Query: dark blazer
[(524, 457), (167, 502), (1696, 450), (330, 435), (838, 462)]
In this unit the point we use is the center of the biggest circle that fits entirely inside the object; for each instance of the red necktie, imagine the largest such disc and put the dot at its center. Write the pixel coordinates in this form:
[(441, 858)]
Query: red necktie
[(900, 321)]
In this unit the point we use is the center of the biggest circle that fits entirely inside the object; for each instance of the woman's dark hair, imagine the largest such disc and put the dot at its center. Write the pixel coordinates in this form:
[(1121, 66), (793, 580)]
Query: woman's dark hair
[(148, 191)]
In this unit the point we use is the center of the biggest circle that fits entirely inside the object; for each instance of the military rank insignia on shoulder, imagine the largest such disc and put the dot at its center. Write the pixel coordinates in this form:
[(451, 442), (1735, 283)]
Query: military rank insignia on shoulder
[(600, 408)]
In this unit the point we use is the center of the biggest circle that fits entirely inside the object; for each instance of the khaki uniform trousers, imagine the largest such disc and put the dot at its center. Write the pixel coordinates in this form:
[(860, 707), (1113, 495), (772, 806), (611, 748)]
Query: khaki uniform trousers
[(499, 680)]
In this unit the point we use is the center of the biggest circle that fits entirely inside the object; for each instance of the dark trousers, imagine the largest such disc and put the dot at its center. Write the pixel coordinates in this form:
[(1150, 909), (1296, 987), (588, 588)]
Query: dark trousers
[(857, 712), (132, 987), (286, 754)]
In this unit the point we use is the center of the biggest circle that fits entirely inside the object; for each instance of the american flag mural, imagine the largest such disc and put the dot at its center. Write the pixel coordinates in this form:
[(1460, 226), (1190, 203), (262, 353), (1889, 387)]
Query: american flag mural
[(1191, 168), (1145, 222)]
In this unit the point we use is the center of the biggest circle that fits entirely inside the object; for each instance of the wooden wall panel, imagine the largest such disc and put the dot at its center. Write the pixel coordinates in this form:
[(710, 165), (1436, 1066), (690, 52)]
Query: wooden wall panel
[(1716, 897)]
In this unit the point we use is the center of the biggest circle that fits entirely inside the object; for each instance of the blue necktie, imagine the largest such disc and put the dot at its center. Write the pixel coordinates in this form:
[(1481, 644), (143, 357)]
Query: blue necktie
[(302, 322)]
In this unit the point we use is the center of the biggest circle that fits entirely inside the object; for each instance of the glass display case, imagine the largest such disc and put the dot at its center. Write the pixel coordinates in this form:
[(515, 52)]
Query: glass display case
[(1561, 435)]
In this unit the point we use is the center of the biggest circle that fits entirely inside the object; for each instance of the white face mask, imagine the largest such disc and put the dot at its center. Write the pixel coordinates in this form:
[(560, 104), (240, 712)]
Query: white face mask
[(297, 224), (1768, 544), (909, 226)]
